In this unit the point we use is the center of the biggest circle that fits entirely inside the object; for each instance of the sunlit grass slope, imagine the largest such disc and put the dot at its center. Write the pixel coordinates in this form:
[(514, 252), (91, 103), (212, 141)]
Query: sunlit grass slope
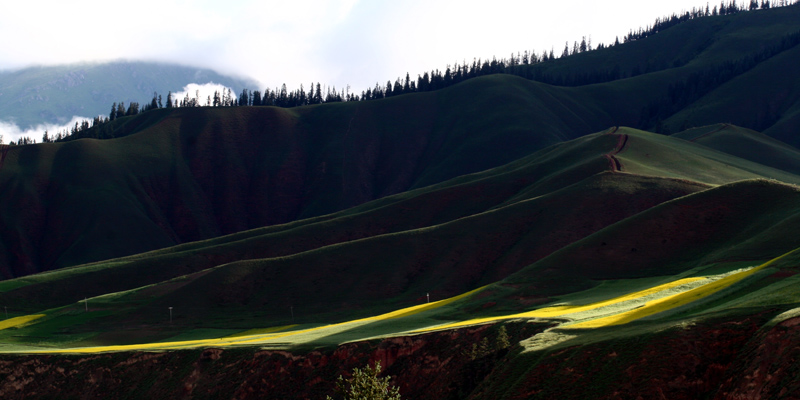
[(747, 144), (652, 154), (578, 313), (523, 219), (559, 221)]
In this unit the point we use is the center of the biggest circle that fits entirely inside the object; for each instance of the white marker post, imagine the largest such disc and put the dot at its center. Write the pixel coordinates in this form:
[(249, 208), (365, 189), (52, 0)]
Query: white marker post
[(428, 295), (86, 303), (170, 315)]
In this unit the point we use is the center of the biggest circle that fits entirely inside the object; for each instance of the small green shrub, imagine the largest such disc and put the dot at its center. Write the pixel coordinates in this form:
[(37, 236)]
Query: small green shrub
[(365, 385)]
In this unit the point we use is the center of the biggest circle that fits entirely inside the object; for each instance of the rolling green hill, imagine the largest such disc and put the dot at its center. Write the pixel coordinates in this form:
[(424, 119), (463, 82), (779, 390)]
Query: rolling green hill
[(745, 143), (273, 249), (558, 221), (191, 174), (175, 176)]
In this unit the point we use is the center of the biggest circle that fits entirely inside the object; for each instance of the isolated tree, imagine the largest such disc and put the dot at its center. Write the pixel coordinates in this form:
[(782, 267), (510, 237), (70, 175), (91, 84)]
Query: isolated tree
[(365, 385), (502, 339), (113, 115), (169, 100)]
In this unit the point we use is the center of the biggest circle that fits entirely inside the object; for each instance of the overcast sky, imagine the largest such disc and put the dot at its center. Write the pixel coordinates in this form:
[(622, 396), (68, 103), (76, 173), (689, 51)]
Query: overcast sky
[(335, 42)]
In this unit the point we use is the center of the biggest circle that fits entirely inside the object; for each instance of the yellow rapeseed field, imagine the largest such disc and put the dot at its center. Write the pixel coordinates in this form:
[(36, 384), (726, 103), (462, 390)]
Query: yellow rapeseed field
[(615, 311), (16, 321)]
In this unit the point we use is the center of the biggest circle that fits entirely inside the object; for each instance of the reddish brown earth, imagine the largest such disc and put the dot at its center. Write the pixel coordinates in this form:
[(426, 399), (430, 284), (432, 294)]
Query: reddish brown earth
[(727, 358), (426, 366)]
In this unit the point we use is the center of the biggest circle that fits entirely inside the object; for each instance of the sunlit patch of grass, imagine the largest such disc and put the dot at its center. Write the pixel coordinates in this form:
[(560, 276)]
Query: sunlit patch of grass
[(17, 321), (675, 300), (265, 336), (261, 331), (567, 310), (614, 311), (623, 309)]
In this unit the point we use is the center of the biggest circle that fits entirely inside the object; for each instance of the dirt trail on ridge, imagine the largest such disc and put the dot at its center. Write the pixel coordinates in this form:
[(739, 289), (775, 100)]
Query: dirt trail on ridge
[(613, 162)]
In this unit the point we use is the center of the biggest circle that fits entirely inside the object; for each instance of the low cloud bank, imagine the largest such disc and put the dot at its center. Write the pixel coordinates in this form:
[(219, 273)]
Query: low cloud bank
[(10, 131)]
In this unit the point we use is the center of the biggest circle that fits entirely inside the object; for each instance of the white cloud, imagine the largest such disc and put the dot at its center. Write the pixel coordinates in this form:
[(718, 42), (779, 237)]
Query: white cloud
[(335, 42), (204, 90), (11, 132)]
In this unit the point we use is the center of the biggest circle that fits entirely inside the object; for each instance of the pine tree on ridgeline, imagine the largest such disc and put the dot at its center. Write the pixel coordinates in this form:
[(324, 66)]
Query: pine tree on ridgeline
[(120, 110)]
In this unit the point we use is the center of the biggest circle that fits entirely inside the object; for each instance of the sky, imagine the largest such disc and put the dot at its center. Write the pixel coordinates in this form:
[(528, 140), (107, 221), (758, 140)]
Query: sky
[(340, 43), (336, 42)]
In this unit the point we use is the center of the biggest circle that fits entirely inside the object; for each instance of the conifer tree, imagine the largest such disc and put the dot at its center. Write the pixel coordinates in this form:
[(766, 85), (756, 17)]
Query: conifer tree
[(120, 110)]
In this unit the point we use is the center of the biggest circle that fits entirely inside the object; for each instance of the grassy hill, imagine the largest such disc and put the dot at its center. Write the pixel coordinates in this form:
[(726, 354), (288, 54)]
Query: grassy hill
[(745, 143), (704, 71), (558, 221), (191, 174), (302, 242), (176, 176)]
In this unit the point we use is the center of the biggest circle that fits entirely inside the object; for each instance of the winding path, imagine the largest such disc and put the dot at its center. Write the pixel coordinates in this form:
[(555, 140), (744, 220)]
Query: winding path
[(613, 162)]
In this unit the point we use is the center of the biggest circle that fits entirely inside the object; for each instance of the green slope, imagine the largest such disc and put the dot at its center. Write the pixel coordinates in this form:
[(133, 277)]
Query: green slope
[(726, 93), (556, 222), (747, 144), (190, 174), (652, 154)]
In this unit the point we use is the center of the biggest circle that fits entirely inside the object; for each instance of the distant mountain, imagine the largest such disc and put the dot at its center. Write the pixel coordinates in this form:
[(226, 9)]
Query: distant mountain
[(54, 94)]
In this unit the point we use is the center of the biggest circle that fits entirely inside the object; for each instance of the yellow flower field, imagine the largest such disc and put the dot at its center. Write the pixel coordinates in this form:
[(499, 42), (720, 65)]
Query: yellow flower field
[(614, 311), (16, 321)]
